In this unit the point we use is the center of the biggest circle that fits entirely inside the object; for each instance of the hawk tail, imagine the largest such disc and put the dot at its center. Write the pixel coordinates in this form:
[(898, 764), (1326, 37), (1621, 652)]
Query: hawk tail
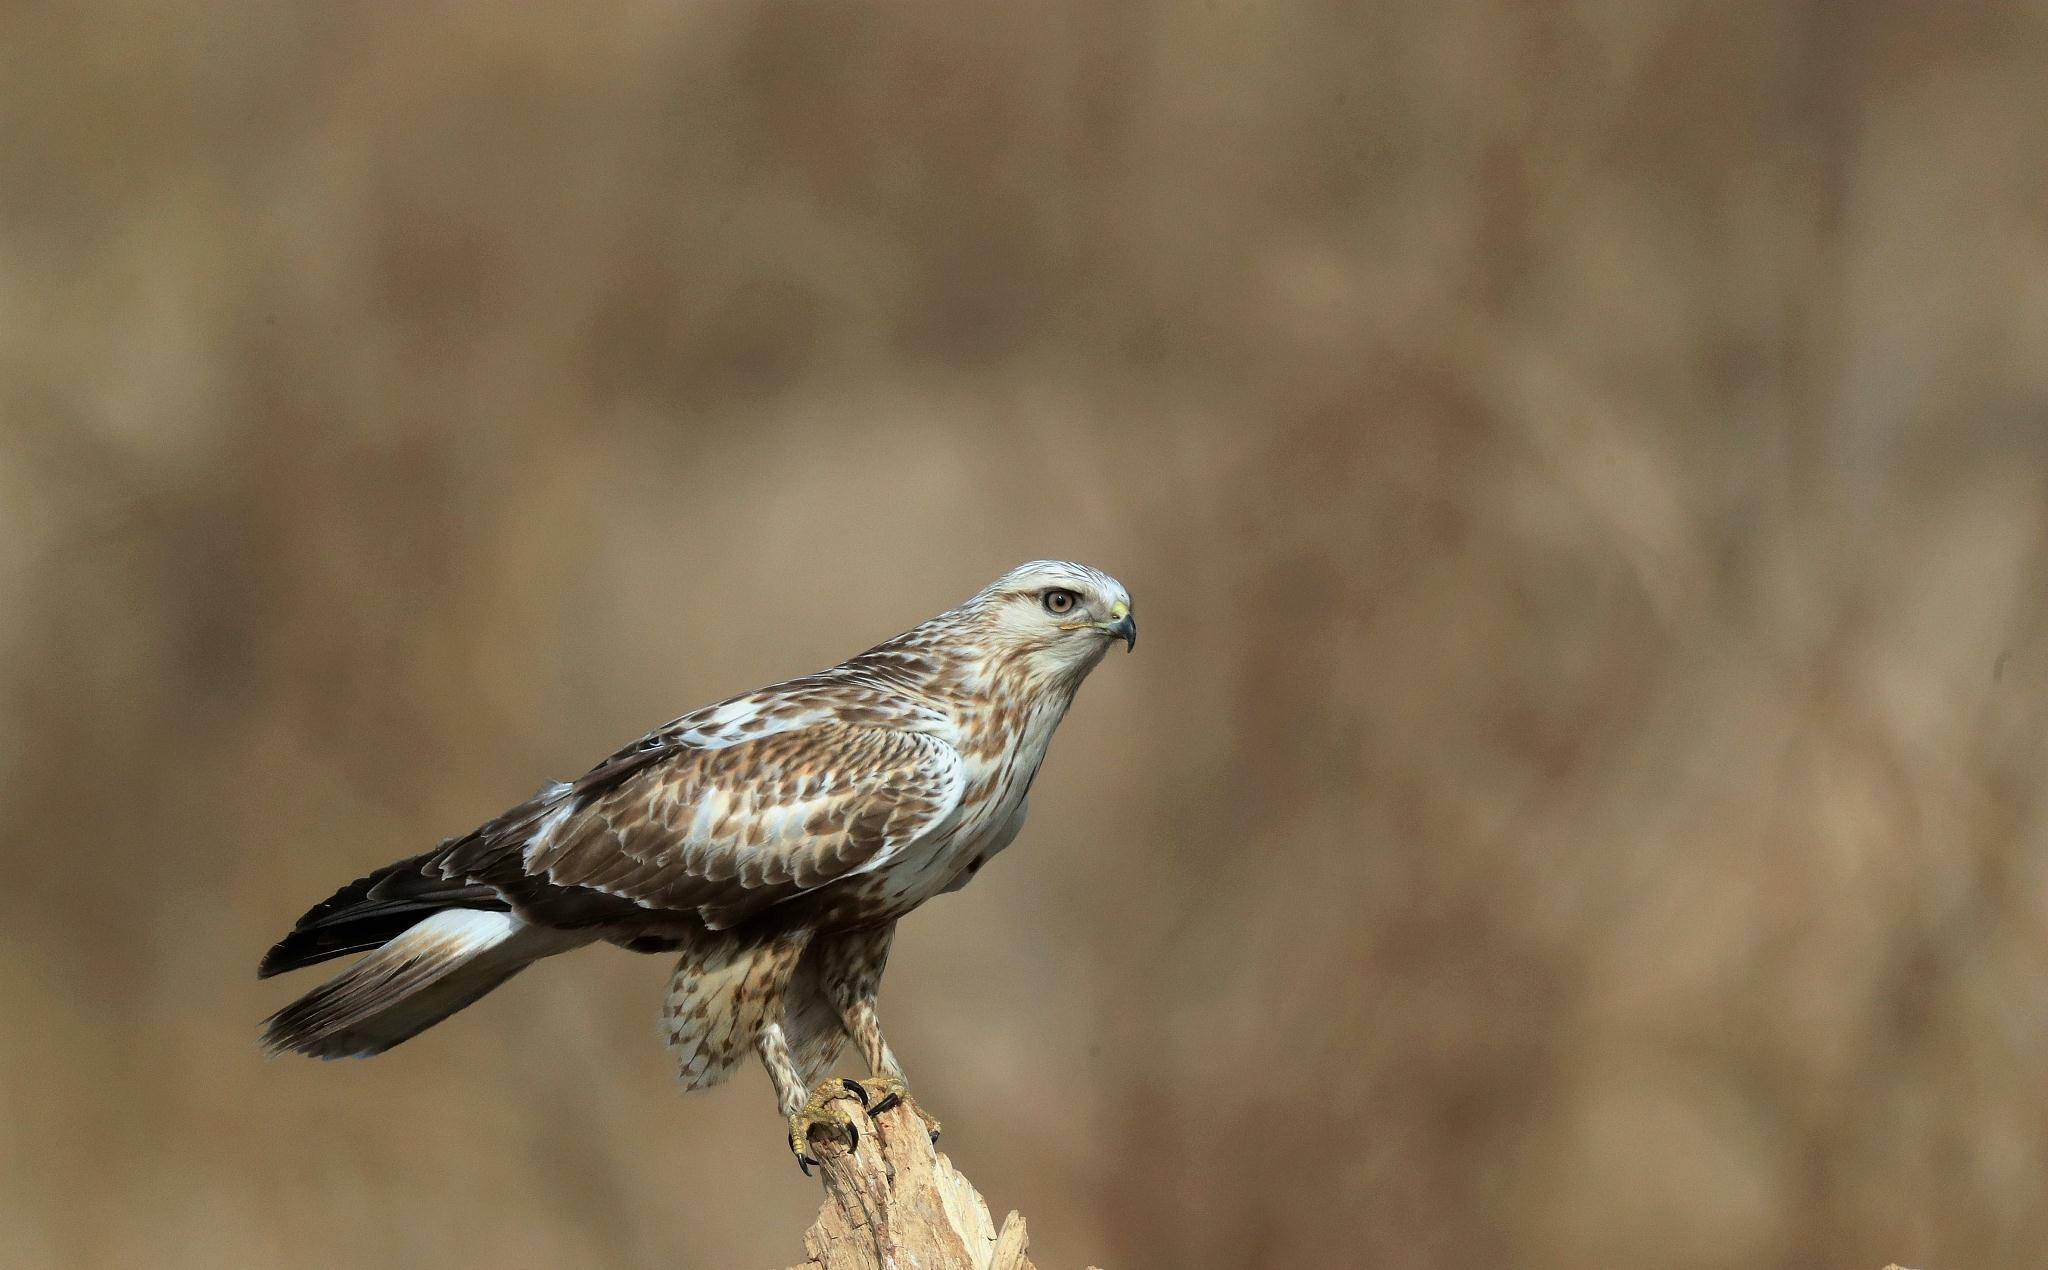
[(371, 912), (434, 968)]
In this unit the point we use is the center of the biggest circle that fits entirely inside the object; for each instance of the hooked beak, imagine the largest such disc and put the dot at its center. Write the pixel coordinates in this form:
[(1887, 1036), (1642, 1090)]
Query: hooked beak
[(1125, 628), (1120, 626)]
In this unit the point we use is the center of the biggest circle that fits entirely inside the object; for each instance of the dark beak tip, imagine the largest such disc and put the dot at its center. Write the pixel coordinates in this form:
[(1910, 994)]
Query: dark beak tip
[(1128, 628)]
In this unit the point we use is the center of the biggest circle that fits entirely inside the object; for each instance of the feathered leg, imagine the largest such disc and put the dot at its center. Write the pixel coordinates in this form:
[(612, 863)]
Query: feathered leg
[(725, 992), (810, 1018), (850, 972), (831, 997), (754, 988), (865, 1027)]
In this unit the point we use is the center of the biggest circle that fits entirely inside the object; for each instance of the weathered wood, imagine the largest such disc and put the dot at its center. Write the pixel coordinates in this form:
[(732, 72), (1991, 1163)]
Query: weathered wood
[(897, 1202)]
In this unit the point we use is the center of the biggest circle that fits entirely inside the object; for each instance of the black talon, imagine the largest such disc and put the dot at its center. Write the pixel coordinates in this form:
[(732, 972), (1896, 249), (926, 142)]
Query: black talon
[(805, 1162), (855, 1088), (888, 1101), (853, 1137)]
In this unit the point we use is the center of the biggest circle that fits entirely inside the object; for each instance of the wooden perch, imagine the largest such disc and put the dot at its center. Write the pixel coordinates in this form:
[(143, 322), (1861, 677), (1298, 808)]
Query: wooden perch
[(897, 1203)]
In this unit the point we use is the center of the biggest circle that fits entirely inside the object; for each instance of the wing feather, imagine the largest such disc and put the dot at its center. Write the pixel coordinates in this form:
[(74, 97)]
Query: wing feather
[(724, 831)]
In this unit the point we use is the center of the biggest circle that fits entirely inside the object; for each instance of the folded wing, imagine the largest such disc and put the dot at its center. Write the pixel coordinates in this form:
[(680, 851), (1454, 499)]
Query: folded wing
[(724, 832)]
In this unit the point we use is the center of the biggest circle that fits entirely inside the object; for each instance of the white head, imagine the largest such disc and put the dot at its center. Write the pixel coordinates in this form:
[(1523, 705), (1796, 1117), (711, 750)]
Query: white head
[(1054, 617)]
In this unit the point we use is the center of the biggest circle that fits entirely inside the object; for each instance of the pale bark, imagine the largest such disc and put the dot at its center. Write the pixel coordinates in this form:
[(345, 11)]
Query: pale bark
[(898, 1203)]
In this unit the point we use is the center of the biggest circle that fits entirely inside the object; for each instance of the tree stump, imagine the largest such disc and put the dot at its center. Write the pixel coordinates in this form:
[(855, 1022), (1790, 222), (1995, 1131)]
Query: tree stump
[(896, 1202)]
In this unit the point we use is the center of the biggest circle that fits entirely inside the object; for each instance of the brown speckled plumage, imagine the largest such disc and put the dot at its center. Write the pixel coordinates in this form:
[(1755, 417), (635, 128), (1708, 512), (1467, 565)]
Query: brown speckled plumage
[(772, 839)]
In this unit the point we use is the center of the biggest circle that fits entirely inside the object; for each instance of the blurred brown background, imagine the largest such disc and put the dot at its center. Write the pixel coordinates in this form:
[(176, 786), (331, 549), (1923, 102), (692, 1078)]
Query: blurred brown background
[(1583, 469)]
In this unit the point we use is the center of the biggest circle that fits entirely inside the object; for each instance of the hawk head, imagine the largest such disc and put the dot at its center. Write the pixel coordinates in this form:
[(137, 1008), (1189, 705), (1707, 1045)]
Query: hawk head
[(1055, 617)]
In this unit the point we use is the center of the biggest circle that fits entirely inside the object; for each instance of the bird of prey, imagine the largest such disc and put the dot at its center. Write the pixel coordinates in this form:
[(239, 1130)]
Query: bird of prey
[(773, 839)]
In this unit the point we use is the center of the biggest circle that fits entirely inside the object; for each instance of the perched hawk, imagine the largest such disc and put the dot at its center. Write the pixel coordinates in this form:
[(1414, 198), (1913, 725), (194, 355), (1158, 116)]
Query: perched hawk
[(774, 839)]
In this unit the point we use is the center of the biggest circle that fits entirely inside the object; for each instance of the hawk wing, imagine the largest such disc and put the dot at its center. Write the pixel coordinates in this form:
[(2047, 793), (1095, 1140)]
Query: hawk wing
[(722, 831)]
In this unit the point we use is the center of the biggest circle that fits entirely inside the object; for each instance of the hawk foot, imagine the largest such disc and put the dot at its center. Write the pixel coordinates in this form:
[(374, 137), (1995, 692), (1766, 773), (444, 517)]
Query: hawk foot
[(879, 1093), (821, 1113)]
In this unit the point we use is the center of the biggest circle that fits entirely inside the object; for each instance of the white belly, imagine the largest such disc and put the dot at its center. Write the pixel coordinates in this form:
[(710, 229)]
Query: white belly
[(987, 825), (920, 875)]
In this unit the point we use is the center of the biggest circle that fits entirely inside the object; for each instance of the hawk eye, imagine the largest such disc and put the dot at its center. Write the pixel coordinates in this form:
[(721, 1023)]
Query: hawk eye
[(1058, 601)]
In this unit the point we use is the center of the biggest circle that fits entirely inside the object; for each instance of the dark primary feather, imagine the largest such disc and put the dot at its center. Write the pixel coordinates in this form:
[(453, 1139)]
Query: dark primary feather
[(371, 911)]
